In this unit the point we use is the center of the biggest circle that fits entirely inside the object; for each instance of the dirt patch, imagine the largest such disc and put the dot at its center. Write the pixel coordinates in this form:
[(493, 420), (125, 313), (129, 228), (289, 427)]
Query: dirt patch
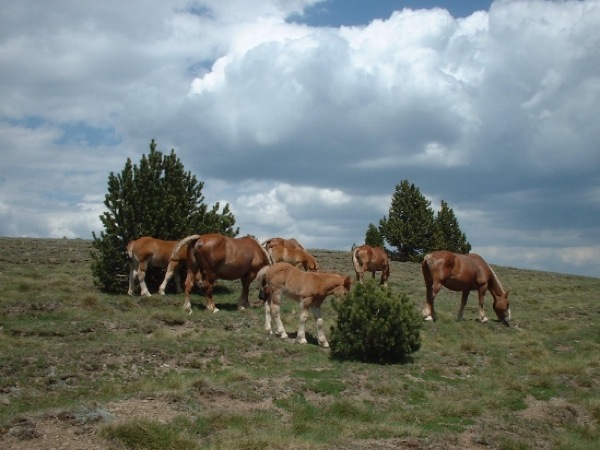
[(78, 429), (555, 412)]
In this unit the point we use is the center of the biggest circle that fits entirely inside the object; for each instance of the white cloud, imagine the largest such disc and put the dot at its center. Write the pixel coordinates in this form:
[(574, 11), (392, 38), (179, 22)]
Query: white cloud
[(306, 131)]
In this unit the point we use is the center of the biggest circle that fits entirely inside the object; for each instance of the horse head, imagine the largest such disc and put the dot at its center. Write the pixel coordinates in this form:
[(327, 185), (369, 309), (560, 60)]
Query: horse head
[(502, 308)]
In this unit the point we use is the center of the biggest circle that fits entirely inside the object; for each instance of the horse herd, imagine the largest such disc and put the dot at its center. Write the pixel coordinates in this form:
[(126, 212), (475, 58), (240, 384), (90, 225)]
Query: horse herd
[(275, 265)]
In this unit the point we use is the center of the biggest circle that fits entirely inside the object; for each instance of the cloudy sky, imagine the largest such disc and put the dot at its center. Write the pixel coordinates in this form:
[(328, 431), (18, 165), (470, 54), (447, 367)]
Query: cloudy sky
[(304, 115)]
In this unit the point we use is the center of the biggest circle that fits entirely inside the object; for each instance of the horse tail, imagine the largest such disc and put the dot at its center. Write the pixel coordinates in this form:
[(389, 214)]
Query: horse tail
[(184, 241), (355, 259), (130, 248), (426, 268), (260, 276)]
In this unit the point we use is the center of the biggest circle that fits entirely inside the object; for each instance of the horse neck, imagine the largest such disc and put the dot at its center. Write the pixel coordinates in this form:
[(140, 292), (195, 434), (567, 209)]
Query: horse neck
[(494, 285)]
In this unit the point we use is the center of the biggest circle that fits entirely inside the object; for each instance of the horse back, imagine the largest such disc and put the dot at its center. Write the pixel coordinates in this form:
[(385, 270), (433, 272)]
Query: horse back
[(455, 271), (380, 258), (229, 258), (290, 243), (297, 255), (375, 258), (156, 252), (480, 268), (299, 284)]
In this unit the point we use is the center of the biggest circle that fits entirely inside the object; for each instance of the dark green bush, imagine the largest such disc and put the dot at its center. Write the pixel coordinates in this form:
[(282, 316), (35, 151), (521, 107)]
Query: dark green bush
[(375, 326)]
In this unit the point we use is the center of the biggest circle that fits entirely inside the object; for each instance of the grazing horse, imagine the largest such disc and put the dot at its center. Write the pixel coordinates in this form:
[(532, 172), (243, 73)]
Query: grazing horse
[(371, 259), (151, 252), (215, 256), (294, 256), (287, 243), (463, 273), (308, 288)]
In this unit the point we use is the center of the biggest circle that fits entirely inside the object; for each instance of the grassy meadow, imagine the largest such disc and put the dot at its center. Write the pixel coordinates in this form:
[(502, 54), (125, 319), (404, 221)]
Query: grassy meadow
[(83, 369)]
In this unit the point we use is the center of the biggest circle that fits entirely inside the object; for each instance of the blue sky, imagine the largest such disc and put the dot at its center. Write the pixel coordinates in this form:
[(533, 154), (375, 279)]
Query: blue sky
[(361, 12), (304, 115)]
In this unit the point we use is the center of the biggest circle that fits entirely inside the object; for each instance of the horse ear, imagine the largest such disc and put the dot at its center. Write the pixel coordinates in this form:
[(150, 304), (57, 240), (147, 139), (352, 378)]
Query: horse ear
[(507, 291)]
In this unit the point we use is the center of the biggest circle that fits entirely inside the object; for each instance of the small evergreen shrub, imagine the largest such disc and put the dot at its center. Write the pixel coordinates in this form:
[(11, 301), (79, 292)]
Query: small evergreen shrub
[(375, 326)]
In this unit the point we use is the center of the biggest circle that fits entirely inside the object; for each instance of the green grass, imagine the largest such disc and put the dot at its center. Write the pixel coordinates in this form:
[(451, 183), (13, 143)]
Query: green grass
[(67, 347)]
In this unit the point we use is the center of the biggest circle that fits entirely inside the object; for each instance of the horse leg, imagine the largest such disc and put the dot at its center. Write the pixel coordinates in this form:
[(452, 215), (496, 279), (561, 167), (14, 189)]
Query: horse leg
[(172, 269), (463, 303), (142, 278), (320, 334), (132, 276), (177, 278), (429, 311), (482, 316), (268, 328), (208, 293), (243, 301), (276, 313), (189, 284), (385, 274), (301, 337)]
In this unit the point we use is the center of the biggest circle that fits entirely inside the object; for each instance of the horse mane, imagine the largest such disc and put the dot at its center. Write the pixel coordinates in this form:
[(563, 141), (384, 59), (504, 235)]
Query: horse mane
[(497, 282)]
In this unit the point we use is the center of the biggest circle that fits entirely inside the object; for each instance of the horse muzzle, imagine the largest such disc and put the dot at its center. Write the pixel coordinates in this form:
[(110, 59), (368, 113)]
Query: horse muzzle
[(506, 318), (263, 294)]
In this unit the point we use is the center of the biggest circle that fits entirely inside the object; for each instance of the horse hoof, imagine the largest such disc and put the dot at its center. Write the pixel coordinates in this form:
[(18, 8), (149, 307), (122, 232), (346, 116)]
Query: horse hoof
[(484, 320), (241, 308), (324, 344), (428, 319), (301, 341)]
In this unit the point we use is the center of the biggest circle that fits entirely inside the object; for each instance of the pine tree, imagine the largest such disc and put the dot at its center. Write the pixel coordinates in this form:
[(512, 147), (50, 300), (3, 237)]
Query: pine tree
[(409, 225), (448, 235), (375, 325), (159, 199), (373, 236)]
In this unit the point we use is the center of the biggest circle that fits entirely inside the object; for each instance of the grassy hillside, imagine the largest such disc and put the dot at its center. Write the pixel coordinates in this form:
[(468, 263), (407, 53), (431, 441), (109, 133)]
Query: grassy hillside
[(81, 369)]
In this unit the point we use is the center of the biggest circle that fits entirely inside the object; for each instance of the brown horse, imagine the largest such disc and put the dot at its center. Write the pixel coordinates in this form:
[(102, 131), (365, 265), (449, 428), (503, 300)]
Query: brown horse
[(295, 257), (214, 256), (287, 243), (308, 288), (371, 259), (151, 252), (463, 273)]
